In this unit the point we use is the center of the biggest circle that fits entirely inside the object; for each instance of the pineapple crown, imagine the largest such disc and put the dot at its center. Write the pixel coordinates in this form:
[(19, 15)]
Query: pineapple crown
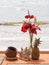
[(37, 42)]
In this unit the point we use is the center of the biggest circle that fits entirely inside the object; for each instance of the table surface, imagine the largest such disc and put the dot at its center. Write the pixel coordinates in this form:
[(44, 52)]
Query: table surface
[(44, 58)]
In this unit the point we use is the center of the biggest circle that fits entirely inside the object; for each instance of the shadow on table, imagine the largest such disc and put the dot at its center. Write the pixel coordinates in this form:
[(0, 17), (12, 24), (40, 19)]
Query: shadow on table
[(36, 61)]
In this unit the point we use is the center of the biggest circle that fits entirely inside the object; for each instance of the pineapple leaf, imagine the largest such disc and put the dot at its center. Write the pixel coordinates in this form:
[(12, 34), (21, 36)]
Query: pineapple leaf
[(37, 42)]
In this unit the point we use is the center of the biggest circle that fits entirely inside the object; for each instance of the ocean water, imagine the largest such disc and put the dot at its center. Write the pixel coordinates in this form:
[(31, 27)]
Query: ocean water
[(13, 36), (15, 10)]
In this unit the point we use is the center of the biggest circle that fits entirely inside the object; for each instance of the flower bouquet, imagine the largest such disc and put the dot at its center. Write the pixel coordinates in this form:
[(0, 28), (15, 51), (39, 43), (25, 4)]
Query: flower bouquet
[(31, 27)]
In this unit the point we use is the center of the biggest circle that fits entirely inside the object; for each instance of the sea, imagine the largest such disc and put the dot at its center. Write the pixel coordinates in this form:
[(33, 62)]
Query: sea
[(13, 36), (15, 10)]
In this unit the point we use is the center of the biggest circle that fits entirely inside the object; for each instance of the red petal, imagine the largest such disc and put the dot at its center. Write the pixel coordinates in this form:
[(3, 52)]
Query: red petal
[(32, 16), (24, 29), (36, 27), (33, 31), (27, 16)]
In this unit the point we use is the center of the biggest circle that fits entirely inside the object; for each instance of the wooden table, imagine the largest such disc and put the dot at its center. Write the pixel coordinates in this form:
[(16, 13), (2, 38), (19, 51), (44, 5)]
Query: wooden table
[(44, 58)]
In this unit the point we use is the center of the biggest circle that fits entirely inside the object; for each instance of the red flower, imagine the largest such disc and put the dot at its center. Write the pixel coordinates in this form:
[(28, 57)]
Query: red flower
[(29, 16), (34, 28), (31, 27), (25, 26)]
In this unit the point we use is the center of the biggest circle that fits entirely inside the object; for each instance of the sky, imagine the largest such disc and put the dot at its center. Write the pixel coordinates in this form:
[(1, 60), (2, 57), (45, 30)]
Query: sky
[(15, 10)]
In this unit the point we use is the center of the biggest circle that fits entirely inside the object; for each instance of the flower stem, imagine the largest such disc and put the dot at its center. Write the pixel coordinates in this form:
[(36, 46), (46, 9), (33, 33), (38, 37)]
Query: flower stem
[(31, 36)]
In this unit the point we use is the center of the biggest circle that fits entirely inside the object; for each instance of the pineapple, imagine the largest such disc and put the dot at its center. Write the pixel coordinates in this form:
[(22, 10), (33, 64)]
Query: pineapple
[(35, 50)]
